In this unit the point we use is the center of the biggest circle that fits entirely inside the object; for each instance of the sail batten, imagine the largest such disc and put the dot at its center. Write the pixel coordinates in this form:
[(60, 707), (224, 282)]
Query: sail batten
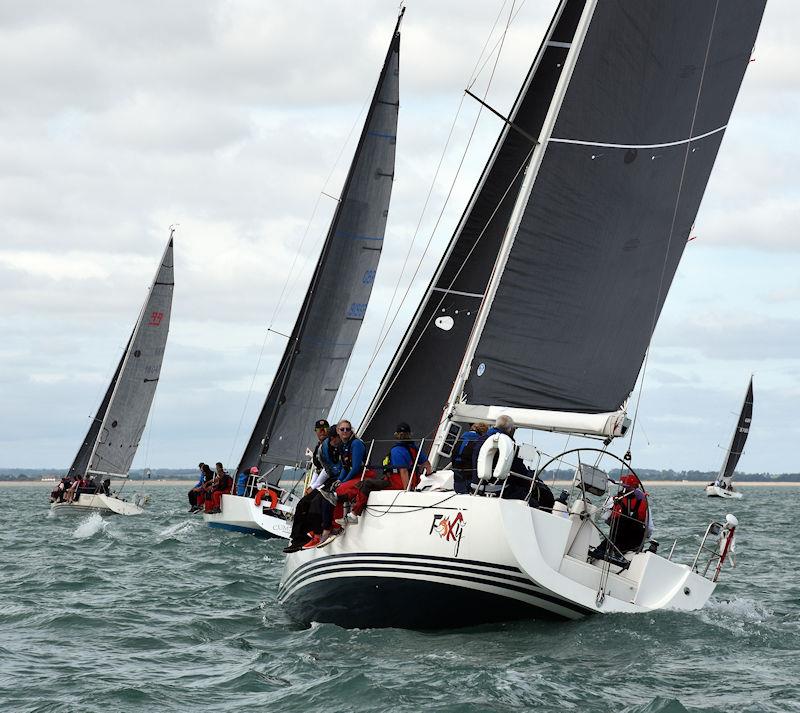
[(325, 332)]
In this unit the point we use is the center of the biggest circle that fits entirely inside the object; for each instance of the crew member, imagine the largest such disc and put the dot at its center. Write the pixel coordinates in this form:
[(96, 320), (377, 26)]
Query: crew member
[(462, 457), (353, 457), (401, 459), (628, 515), (326, 461), (517, 484), (196, 489), (220, 485)]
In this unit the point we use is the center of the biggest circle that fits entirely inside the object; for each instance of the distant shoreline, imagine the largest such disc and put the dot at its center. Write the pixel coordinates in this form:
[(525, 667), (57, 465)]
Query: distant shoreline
[(137, 483)]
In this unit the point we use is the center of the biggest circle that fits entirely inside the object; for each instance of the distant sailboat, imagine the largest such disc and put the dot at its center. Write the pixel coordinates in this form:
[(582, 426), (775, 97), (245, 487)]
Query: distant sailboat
[(110, 444), (722, 487), (322, 340), (542, 309)]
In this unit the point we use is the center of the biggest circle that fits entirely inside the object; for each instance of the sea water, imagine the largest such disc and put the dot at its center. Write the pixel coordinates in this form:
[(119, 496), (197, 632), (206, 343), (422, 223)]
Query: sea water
[(161, 613)]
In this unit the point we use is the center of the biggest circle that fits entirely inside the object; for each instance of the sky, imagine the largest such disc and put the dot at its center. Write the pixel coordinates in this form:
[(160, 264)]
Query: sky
[(232, 119)]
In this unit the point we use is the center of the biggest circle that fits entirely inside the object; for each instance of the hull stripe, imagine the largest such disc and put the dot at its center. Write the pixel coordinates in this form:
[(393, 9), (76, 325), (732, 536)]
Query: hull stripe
[(301, 573), (397, 556), (548, 602), (326, 568)]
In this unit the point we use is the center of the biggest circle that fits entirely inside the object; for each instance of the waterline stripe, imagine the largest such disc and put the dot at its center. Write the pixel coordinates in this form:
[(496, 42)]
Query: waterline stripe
[(639, 146)]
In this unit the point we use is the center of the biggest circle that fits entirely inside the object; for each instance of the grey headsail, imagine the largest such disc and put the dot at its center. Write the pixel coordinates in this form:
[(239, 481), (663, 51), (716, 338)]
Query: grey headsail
[(114, 434), (329, 321), (617, 186), (739, 436), (416, 386)]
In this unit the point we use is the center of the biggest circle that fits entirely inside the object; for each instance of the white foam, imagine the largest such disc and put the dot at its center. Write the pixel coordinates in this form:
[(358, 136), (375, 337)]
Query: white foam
[(174, 531), (90, 526), (740, 608)]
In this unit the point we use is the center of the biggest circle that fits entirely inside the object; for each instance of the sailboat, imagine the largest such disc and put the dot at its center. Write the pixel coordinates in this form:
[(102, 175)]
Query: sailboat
[(722, 487), (109, 447), (322, 340), (542, 309)]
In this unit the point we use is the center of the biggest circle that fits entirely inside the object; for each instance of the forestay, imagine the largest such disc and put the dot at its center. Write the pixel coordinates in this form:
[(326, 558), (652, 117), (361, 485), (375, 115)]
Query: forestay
[(334, 306), (114, 434)]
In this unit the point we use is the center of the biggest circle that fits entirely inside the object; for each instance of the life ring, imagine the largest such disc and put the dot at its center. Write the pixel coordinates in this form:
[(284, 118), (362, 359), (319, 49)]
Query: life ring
[(266, 492), (501, 445)]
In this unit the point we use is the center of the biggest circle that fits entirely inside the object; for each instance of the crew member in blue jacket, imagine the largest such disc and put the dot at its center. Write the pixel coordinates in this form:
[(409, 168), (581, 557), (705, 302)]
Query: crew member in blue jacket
[(463, 456), (354, 456), (516, 488)]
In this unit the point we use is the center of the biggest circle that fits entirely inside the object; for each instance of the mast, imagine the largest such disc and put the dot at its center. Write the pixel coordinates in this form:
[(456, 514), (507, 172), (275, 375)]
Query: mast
[(321, 341), (137, 375)]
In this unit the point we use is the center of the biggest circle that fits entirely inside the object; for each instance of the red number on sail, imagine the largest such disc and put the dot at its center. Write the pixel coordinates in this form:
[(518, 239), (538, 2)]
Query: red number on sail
[(155, 319)]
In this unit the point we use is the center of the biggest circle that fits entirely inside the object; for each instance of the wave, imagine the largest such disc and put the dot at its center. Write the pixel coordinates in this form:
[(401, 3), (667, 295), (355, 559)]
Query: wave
[(175, 532), (90, 526), (742, 608)]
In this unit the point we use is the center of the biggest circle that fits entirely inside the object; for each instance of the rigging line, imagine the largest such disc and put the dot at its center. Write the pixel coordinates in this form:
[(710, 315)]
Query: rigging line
[(436, 226), (455, 276), (149, 434), (381, 336), (290, 274), (499, 41), (473, 75), (672, 226), (323, 192), (249, 394)]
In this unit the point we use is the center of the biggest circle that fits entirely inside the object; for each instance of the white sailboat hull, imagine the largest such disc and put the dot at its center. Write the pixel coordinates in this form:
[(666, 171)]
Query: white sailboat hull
[(437, 560), (241, 514), (714, 491), (103, 504)]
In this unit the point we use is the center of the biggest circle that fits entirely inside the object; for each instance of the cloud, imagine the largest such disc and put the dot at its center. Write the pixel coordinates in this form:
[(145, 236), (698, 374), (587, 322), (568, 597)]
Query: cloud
[(227, 118)]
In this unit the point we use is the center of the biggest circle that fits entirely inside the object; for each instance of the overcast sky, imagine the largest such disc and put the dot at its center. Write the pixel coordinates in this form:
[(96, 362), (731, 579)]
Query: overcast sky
[(230, 118)]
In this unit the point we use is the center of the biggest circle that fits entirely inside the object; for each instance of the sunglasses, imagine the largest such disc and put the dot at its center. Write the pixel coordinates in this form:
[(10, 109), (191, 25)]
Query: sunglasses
[(344, 429)]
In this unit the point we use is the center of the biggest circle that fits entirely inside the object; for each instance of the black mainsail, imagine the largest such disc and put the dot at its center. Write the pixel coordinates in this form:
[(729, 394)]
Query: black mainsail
[(739, 437), (113, 436), (322, 340), (582, 262)]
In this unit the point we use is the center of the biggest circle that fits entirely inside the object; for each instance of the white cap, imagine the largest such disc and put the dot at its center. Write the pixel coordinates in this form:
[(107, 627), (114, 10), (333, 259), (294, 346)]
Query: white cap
[(731, 520)]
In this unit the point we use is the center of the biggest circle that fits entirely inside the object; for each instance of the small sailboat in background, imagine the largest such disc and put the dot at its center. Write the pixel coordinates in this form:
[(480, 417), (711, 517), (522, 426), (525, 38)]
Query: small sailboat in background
[(110, 444), (542, 309), (722, 487), (322, 340)]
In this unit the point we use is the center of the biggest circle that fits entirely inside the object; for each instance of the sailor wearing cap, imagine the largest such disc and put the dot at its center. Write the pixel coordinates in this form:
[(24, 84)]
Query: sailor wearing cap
[(401, 459), (321, 428)]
